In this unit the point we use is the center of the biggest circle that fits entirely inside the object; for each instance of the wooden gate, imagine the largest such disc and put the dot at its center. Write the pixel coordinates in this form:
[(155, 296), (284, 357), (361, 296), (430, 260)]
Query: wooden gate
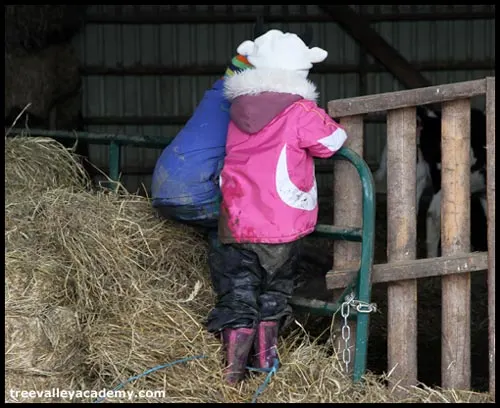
[(402, 269)]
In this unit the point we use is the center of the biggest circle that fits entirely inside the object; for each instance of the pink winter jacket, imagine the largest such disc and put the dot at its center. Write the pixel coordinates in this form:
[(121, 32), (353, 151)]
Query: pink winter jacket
[(268, 184)]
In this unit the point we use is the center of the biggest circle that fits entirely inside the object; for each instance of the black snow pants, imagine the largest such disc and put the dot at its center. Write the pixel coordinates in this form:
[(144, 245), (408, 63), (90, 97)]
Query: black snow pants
[(253, 283)]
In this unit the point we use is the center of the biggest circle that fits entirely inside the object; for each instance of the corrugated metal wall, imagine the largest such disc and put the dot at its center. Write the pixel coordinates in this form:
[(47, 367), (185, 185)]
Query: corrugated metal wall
[(174, 45)]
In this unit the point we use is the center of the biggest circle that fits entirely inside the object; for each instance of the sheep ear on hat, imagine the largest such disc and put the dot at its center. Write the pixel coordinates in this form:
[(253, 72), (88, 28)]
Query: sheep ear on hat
[(246, 48), (317, 54)]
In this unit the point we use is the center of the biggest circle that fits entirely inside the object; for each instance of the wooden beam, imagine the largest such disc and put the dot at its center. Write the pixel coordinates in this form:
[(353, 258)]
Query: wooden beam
[(209, 70), (405, 99), (401, 245), (359, 28), (348, 195), (490, 191), (455, 239), (413, 269), (223, 17)]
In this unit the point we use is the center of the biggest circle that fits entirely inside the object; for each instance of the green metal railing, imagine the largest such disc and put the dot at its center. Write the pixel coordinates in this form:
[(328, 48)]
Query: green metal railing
[(362, 282)]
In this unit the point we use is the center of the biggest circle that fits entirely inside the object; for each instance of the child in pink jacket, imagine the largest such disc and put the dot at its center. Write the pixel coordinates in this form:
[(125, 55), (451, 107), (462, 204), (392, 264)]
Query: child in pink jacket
[(269, 194)]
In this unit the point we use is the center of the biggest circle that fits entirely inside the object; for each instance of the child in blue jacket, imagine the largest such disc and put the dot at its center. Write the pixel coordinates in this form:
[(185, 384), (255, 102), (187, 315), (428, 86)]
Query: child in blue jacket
[(185, 183)]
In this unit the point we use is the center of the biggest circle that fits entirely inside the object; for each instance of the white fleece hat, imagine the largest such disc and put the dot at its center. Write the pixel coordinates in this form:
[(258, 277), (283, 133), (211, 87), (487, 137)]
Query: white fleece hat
[(279, 50)]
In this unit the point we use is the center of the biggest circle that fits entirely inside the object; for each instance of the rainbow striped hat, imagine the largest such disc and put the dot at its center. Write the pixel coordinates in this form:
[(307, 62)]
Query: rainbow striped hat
[(238, 63)]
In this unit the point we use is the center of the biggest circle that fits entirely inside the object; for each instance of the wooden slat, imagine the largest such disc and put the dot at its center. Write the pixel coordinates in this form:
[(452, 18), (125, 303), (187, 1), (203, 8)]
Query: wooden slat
[(490, 160), (413, 269), (404, 99), (455, 239), (401, 245), (347, 195)]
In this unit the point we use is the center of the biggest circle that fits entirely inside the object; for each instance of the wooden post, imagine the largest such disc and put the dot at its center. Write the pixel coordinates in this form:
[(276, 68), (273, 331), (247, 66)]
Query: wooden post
[(490, 161), (455, 239), (347, 210), (401, 244), (347, 195)]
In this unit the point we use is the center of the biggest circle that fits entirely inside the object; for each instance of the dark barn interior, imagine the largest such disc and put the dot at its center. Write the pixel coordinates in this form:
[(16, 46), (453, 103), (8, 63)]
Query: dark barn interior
[(141, 70)]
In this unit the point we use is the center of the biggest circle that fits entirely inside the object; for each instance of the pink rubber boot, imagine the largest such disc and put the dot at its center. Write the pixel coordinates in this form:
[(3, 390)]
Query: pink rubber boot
[(265, 344), (237, 345)]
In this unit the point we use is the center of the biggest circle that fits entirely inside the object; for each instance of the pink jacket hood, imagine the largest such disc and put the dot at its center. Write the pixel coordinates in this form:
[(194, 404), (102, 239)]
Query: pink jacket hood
[(260, 95), (268, 185)]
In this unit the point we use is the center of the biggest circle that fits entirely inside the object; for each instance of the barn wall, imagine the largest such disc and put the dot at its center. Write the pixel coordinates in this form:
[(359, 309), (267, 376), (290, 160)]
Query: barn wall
[(112, 45)]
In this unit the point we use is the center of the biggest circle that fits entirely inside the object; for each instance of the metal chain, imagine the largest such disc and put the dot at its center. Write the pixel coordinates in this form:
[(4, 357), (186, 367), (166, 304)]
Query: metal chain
[(346, 330), (363, 307), (345, 309)]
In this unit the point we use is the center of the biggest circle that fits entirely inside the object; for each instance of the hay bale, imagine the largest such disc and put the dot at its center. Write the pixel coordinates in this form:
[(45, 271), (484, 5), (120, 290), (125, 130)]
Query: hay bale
[(42, 79), (140, 290), (33, 27), (105, 255)]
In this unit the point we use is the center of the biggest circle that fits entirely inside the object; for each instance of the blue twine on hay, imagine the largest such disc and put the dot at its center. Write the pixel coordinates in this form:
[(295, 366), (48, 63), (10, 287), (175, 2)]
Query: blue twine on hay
[(263, 386), (151, 370), (270, 372), (259, 370)]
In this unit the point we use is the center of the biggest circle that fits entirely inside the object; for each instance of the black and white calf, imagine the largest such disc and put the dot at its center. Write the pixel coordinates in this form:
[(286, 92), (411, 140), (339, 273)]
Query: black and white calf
[(429, 175)]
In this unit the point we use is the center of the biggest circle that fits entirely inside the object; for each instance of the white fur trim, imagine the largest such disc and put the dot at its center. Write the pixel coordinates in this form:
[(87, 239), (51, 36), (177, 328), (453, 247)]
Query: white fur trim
[(256, 81)]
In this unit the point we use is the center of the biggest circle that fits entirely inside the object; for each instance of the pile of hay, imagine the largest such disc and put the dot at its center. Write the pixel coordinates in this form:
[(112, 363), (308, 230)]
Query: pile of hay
[(98, 290)]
